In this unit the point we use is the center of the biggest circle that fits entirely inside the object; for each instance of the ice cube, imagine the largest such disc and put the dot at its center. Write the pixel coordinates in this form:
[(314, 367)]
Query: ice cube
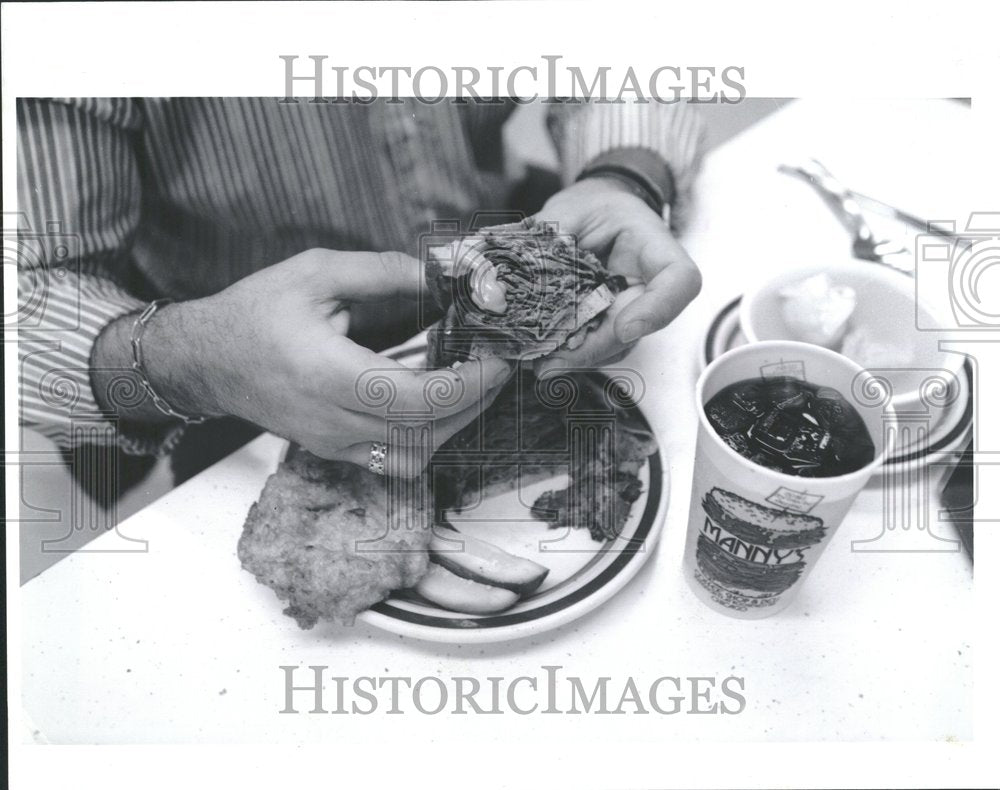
[(830, 412), (783, 389), (796, 402), (790, 434), (752, 398), (726, 418), (827, 393), (808, 445), (775, 430), (738, 442)]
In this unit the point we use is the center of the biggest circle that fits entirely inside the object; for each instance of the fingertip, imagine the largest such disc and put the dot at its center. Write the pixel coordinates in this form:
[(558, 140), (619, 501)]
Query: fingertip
[(482, 375)]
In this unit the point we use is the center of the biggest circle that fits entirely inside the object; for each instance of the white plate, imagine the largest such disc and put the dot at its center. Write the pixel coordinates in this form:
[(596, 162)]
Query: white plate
[(583, 573), (949, 432)]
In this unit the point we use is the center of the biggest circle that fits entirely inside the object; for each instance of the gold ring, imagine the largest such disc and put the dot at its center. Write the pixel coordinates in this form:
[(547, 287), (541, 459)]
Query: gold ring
[(376, 461)]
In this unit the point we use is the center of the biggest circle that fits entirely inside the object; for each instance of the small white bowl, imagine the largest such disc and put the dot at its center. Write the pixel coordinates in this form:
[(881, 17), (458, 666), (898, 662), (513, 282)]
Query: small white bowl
[(886, 311)]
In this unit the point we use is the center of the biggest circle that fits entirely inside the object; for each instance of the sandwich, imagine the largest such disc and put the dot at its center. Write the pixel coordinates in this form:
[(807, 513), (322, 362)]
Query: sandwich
[(323, 536), (520, 292), (517, 291)]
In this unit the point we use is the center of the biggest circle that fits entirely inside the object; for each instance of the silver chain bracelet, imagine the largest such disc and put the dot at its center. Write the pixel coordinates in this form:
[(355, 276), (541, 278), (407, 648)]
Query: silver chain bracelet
[(138, 328)]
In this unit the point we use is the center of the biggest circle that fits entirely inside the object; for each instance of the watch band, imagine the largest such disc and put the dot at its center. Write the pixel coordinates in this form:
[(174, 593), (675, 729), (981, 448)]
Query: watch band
[(642, 170)]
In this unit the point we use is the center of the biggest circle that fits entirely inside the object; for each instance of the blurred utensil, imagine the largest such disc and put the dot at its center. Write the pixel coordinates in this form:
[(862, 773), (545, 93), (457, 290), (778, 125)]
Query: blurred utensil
[(864, 243), (911, 220), (918, 223)]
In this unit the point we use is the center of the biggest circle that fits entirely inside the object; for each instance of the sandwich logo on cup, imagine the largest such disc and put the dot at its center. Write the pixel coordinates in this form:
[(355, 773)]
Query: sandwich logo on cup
[(748, 553)]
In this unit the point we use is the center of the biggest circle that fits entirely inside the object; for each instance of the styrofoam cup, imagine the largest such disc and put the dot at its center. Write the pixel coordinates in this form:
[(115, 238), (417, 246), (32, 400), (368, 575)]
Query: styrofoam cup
[(755, 533)]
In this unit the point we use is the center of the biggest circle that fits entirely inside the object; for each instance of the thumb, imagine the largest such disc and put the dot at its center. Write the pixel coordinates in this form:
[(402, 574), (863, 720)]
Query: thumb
[(661, 301), (366, 276)]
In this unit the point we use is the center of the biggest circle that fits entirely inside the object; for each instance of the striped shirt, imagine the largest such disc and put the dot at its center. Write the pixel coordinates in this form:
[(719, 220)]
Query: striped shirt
[(125, 200)]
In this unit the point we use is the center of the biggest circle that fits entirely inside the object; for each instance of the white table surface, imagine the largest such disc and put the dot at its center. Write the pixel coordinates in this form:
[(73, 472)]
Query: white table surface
[(178, 644)]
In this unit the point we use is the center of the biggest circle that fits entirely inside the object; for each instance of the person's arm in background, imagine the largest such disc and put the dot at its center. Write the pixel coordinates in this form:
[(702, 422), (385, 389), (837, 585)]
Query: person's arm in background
[(80, 198), (272, 348), (625, 168)]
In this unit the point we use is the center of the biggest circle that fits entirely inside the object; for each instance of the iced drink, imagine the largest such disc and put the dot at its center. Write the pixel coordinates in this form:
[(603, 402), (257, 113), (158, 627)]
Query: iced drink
[(791, 426), (783, 450)]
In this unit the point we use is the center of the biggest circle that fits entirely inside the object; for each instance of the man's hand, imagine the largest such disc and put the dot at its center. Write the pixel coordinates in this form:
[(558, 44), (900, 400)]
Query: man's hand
[(272, 349), (634, 242)]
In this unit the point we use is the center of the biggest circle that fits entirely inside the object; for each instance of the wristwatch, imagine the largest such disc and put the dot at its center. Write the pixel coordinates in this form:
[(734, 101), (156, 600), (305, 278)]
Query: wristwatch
[(642, 171)]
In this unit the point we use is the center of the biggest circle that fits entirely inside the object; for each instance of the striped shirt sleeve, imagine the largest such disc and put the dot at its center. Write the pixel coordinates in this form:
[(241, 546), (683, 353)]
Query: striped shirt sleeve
[(79, 202), (583, 130)]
